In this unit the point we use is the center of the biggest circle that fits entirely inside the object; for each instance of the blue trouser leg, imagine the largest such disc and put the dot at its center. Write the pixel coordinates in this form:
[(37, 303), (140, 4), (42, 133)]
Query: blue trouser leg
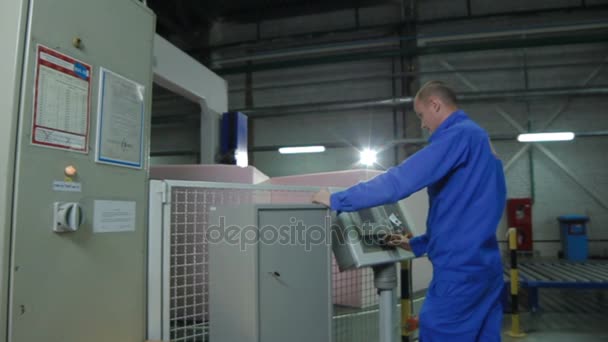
[(492, 326), (462, 308)]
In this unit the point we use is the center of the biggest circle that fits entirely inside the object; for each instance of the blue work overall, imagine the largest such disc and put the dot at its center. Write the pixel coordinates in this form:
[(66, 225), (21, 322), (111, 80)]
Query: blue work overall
[(467, 193)]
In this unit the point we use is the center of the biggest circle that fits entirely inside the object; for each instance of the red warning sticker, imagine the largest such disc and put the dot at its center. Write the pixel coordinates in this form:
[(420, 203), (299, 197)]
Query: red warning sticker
[(62, 98)]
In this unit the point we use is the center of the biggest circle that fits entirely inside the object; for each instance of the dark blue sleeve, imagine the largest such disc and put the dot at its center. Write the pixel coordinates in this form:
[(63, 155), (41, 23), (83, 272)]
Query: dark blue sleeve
[(424, 168), (419, 244)]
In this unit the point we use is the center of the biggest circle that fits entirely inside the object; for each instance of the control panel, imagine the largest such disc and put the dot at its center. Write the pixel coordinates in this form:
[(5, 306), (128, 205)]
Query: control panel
[(358, 238)]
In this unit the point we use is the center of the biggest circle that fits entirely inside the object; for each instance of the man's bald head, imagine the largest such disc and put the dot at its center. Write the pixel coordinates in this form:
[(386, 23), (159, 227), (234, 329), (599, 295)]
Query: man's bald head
[(438, 89), (433, 103)]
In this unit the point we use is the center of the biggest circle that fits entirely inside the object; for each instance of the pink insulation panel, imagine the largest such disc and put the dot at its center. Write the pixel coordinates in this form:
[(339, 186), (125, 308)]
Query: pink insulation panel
[(326, 179), (209, 173)]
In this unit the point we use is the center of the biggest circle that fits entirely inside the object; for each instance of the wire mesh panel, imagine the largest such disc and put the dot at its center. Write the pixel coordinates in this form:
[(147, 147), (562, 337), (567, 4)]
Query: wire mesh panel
[(190, 257), (189, 266), (354, 298), (355, 306)]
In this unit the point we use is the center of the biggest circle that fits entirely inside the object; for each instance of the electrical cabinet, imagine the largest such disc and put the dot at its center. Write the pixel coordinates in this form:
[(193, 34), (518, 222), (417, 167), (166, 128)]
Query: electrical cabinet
[(77, 237)]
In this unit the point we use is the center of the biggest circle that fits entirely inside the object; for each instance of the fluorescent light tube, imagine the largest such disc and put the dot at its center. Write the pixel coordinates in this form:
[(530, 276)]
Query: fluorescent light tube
[(535, 137), (301, 149)]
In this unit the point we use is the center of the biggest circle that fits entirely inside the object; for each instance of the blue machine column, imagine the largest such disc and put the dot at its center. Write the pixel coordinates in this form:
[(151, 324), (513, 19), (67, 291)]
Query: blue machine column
[(233, 145)]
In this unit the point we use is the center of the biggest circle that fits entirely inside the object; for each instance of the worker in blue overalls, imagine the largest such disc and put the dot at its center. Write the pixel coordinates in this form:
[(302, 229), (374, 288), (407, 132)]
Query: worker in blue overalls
[(467, 193)]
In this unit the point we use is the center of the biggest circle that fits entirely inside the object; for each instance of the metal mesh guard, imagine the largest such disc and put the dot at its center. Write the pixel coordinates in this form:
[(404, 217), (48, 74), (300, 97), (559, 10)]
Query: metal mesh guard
[(354, 297)]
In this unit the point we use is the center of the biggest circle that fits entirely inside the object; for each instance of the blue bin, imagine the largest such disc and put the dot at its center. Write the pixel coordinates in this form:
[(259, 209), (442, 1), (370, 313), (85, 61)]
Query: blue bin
[(573, 231)]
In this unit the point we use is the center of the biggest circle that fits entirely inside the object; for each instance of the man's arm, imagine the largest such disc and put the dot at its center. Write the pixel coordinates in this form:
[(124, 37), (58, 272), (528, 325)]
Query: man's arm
[(419, 244), (422, 169)]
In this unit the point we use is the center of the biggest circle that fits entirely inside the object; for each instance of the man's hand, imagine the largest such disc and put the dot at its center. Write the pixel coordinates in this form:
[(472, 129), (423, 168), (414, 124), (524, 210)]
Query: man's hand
[(398, 240), (322, 197)]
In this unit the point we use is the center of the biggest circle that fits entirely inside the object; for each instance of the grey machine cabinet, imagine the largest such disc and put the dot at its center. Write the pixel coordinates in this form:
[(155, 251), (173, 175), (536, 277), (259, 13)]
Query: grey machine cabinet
[(270, 287), (81, 285)]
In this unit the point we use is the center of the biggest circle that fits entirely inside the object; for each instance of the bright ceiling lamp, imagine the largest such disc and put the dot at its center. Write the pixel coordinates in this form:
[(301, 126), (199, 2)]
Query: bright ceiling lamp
[(537, 137), (368, 157), (302, 149)]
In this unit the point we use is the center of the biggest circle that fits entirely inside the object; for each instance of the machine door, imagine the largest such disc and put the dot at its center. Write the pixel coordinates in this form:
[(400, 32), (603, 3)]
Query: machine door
[(294, 278)]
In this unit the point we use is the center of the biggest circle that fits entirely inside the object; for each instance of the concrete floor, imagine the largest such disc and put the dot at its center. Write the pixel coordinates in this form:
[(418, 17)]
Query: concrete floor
[(565, 315), (558, 327)]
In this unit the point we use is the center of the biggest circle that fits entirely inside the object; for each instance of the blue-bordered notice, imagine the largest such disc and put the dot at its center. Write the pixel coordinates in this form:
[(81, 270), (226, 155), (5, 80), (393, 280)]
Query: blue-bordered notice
[(120, 121)]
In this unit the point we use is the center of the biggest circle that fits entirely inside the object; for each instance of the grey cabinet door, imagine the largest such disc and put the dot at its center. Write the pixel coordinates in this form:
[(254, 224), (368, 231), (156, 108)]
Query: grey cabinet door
[(83, 285), (294, 276)]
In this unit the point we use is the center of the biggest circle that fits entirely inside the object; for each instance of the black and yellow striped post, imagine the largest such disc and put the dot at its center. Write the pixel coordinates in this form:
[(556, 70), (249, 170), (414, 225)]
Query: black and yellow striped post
[(409, 323), (406, 307), (515, 328)]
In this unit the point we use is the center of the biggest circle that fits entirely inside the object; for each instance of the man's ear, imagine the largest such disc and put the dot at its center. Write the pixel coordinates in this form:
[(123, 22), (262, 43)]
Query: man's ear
[(435, 103)]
